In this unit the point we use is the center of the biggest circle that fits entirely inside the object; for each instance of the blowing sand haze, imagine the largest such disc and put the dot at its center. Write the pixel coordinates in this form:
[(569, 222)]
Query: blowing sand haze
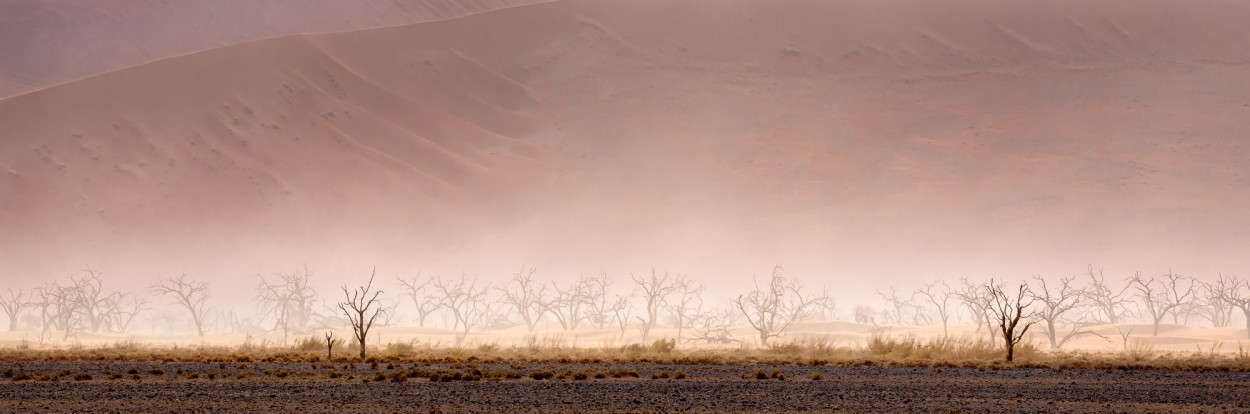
[(562, 205)]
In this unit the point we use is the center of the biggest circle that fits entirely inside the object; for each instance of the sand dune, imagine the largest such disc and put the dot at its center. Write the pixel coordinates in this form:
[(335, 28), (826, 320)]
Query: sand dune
[(973, 138), (48, 42)]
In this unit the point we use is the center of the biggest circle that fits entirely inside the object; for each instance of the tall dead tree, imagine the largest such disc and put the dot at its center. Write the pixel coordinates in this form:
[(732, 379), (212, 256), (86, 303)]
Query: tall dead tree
[(1055, 305), (772, 308), (939, 295), (1162, 296), (655, 292), (1008, 311), (1111, 303), (1236, 292), (13, 304), (418, 290), (189, 294), (525, 296), (356, 307)]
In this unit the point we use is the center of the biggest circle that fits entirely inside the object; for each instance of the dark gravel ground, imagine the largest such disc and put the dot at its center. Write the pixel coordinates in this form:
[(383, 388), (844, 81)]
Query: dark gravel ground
[(308, 388)]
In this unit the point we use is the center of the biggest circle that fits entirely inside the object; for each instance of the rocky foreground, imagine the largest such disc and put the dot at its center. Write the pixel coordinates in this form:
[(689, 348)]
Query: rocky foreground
[(529, 387)]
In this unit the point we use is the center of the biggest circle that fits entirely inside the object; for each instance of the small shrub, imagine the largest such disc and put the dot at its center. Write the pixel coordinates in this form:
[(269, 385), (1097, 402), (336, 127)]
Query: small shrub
[(663, 346), (679, 375), (156, 371), (82, 376), (817, 377)]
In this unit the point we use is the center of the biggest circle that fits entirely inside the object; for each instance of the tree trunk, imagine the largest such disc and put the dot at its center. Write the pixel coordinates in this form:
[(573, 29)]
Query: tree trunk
[(1011, 349), (362, 349), (1247, 313)]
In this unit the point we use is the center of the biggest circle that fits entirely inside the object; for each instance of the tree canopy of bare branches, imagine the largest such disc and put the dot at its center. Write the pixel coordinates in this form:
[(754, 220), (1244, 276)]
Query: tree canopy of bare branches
[(419, 291), (288, 300), (772, 308), (1110, 303), (1235, 291), (187, 293), (1008, 311), (1163, 295), (939, 295), (1055, 303), (13, 304), (356, 307), (655, 292), (526, 297), (976, 300), (467, 303)]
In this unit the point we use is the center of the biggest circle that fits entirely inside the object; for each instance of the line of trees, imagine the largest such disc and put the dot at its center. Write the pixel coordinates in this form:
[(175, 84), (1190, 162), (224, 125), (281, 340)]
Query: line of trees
[(1061, 309)]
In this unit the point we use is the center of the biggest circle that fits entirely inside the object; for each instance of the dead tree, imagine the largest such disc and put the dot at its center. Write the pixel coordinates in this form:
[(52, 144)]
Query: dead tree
[(865, 315), (1109, 302), (288, 301), (121, 312), (13, 304), (525, 296), (1057, 303), (771, 309), (977, 302), (356, 308), (826, 307), (1235, 292), (1008, 311), (1212, 306), (655, 293), (1162, 296), (570, 305), (425, 302), (89, 299), (715, 327), (189, 294), (466, 302), (599, 305), (939, 295), (329, 345), (685, 305), (621, 312)]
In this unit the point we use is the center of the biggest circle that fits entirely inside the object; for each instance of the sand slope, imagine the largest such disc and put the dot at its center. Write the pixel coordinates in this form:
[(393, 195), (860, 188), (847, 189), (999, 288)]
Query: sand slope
[(973, 138), (47, 42)]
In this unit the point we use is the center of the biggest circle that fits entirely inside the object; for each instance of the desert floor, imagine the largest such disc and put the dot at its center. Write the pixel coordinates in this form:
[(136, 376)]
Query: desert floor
[(308, 387)]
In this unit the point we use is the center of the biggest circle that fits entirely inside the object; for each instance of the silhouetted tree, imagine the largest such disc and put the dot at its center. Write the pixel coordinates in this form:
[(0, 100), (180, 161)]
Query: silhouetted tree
[(1055, 304), (1008, 311), (685, 305), (426, 302), (13, 304), (1236, 292), (1111, 303), (938, 294), (356, 308), (288, 300), (1162, 296), (467, 303), (771, 309), (525, 296), (187, 293), (655, 291)]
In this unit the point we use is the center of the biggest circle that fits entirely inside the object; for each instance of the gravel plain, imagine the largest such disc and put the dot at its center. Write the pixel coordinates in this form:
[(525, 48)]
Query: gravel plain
[(155, 386)]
